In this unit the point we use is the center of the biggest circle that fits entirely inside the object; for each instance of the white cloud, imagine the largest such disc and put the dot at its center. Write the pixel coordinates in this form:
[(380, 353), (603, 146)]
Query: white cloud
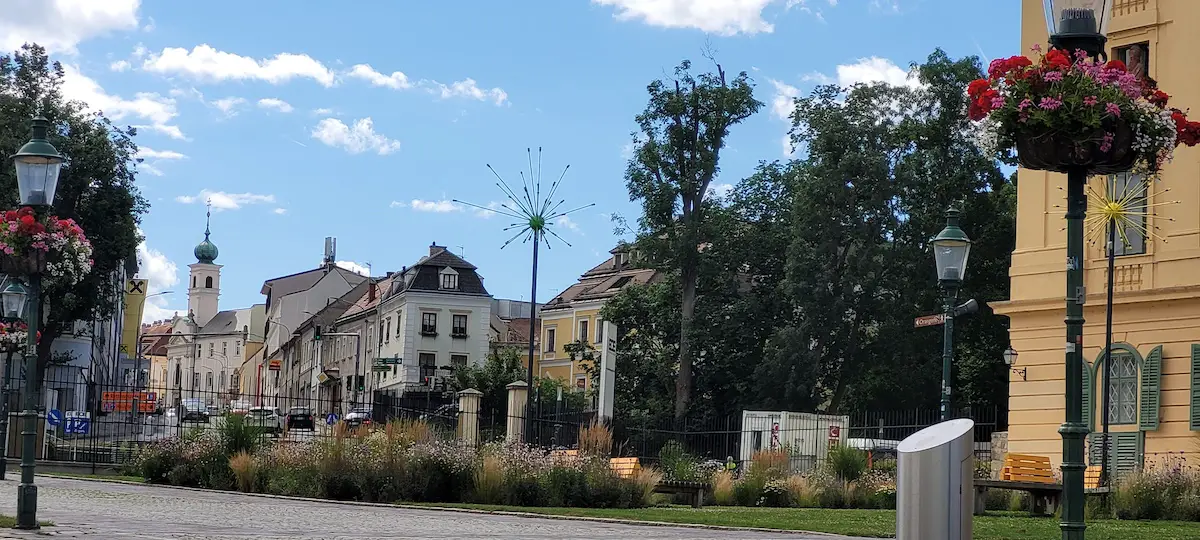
[(119, 65), (466, 88), (720, 190), (489, 211), (228, 105), (352, 266), (171, 131), (152, 107), (565, 222), (149, 168), (396, 81), (322, 111), (355, 139), (161, 273), (275, 103), (60, 25), (206, 63), (150, 25), (280, 211), (441, 207), (784, 101), (724, 17), (397, 204), (871, 70), (786, 142), (146, 152), (225, 201)]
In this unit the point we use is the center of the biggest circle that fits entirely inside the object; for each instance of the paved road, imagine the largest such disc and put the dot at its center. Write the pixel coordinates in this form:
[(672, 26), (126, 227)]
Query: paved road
[(83, 509)]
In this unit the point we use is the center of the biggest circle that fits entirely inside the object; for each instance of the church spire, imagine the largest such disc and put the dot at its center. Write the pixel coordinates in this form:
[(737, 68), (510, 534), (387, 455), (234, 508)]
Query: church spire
[(206, 251), (207, 217)]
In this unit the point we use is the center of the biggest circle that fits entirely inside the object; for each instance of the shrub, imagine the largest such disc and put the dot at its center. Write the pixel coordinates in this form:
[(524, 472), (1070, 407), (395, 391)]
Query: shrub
[(847, 463), (723, 488), (770, 465), (801, 492), (489, 481), (155, 461), (888, 466), (644, 483), (748, 490), (775, 495), (245, 471), (567, 485), (1000, 500), (595, 440), (237, 436)]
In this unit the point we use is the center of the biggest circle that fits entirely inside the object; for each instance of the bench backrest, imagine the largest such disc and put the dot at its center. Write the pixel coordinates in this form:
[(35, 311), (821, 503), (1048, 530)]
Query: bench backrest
[(1091, 477), (1027, 468), (625, 467)]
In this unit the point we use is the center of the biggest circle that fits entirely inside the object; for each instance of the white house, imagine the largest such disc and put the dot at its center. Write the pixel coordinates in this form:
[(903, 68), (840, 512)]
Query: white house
[(434, 315)]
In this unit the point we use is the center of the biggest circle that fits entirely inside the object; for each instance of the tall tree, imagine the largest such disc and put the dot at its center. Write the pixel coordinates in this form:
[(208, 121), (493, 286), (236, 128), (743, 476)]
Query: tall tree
[(682, 133), (96, 185)]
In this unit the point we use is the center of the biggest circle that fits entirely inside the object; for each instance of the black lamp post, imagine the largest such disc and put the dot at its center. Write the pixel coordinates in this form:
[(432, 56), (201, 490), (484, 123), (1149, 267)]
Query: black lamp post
[(951, 247), (38, 164), (1076, 25), (12, 303)]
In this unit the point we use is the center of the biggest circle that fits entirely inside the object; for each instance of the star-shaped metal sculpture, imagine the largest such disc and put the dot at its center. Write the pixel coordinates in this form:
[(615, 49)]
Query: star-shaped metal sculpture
[(1127, 211), (534, 215)]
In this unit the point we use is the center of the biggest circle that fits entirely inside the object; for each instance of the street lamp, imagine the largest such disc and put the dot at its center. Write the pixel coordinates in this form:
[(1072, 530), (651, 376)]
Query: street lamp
[(38, 164), (951, 247), (13, 300), (1010, 360), (1076, 25)]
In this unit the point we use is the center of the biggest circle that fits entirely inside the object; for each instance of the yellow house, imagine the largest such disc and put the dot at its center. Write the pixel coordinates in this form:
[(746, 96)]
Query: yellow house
[(573, 317), (1155, 386)]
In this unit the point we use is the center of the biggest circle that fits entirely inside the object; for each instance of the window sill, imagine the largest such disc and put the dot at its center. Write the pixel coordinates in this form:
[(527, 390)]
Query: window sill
[(459, 335), (429, 334)]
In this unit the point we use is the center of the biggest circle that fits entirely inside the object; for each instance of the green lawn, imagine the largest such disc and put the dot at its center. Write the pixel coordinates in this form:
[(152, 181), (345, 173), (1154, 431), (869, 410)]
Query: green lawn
[(870, 523), (8, 522)]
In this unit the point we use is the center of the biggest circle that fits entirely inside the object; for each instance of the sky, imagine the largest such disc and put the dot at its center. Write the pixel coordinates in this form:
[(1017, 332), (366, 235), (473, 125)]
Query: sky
[(365, 121)]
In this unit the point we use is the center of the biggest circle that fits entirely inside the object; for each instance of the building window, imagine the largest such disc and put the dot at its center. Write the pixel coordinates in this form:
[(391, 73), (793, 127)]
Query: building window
[(387, 336), (1122, 407), (450, 281), (221, 382), (210, 349), (208, 380), (549, 340), (458, 361), (237, 348), (195, 380), (208, 282), (1136, 58), (224, 348), (429, 324), (599, 331), (178, 374), (1131, 230), (621, 282), (193, 282), (428, 363), (398, 324), (583, 331), (459, 328), (581, 382)]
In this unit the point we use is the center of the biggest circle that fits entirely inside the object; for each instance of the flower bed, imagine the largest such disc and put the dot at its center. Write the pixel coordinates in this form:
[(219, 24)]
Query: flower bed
[(402, 462)]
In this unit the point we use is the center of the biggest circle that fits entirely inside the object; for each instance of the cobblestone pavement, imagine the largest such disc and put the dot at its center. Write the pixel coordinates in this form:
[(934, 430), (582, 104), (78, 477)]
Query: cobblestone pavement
[(83, 509)]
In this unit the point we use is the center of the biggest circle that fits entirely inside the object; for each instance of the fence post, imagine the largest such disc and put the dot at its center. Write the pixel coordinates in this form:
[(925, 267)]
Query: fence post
[(518, 395), (468, 415)]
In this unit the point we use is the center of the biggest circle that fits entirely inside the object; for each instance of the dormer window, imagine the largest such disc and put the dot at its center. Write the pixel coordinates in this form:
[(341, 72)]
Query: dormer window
[(449, 279), (619, 259)]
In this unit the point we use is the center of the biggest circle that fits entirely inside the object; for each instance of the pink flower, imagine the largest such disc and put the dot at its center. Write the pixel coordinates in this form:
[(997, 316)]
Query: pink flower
[(1113, 109), (998, 102), (1080, 55), (1052, 76), (1037, 47), (1050, 103), (9, 250), (1090, 100), (1106, 144), (1025, 104)]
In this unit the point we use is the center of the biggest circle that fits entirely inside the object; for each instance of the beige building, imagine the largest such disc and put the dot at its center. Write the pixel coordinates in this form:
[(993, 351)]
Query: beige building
[(1155, 388)]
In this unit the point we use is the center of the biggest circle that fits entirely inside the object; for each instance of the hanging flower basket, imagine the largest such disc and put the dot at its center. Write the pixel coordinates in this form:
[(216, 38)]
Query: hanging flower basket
[(1059, 152), (13, 335), (1067, 112), (55, 248)]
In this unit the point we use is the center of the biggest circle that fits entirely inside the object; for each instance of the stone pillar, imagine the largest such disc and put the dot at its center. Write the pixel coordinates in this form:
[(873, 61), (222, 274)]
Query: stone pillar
[(518, 395), (999, 452), (468, 415)]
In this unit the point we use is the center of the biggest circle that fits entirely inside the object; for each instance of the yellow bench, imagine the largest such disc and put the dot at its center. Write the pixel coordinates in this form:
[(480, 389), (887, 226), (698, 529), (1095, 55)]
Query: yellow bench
[(1091, 477), (1027, 468), (625, 467)]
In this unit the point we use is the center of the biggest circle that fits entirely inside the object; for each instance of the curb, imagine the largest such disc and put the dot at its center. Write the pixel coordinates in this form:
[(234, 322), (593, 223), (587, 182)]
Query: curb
[(534, 515)]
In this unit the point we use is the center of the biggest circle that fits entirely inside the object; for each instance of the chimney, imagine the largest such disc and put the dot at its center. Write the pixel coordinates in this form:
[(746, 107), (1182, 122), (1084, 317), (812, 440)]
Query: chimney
[(330, 251), (371, 291), (434, 248)]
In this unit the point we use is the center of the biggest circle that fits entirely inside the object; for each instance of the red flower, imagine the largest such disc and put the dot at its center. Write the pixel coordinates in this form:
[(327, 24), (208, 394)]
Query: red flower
[(1057, 59), (25, 211), (1116, 64), (1159, 98), (10, 215), (27, 221), (977, 87), (1011, 66)]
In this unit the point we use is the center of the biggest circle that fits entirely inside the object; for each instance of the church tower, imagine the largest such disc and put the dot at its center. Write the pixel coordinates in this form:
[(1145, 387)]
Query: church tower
[(204, 283)]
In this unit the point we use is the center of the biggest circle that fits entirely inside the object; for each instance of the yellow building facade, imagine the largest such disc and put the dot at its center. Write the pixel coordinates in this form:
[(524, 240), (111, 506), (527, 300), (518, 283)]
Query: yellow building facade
[(573, 318), (1155, 385)]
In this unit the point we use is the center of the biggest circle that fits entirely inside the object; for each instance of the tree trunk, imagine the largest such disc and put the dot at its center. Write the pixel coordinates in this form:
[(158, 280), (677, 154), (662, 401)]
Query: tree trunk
[(683, 384)]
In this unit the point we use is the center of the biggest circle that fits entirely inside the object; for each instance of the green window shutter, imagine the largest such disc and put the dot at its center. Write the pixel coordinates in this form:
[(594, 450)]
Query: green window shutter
[(1094, 449), (1088, 417), (1195, 387), (1128, 454), (1151, 383)]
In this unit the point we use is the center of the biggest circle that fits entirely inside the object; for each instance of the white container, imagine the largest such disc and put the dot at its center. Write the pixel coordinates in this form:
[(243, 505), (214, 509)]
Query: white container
[(935, 483), (805, 436)]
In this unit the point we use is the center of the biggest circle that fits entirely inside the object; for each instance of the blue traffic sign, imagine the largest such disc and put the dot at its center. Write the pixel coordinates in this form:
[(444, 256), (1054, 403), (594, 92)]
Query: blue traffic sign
[(331, 419), (78, 425), (54, 417)]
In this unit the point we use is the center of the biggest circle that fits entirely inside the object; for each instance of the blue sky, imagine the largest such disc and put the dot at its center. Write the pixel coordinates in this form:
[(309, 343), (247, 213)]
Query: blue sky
[(363, 120)]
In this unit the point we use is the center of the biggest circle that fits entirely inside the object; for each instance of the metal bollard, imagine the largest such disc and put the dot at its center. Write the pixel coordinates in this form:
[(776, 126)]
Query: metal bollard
[(935, 487)]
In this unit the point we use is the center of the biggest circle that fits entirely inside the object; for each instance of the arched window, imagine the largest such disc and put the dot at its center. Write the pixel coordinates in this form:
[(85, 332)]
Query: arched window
[(1122, 405), (208, 282), (193, 282)]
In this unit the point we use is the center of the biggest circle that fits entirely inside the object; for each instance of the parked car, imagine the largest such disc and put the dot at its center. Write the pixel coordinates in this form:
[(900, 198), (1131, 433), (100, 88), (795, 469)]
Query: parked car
[(358, 417), (213, 410), (264, 418), (193, 410), (239, 407), (171, 413), (300, 418)]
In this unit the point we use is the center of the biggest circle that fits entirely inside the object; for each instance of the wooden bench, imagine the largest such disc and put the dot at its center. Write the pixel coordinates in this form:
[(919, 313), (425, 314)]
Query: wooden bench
[(630, 466), (1027, 468), (625, 467), (1033, 475)]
